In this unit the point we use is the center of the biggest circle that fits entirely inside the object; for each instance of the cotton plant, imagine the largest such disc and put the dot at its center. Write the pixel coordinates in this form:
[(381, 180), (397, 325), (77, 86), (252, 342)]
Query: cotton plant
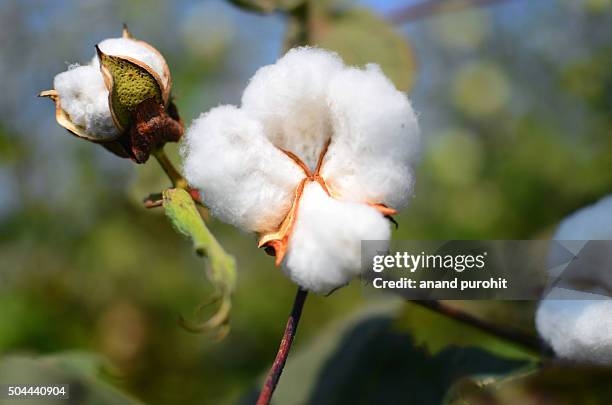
[(577, 324), (316, 158)]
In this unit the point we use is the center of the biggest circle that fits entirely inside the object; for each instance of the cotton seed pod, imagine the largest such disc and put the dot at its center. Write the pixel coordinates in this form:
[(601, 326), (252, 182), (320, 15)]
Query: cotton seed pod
[(316, 159), (121, 99), (578, 324)]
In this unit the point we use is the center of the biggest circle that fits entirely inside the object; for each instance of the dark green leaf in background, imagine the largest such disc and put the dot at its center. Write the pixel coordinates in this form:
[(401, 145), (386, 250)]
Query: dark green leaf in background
[(569, 385), (377, 364), (81, 370)]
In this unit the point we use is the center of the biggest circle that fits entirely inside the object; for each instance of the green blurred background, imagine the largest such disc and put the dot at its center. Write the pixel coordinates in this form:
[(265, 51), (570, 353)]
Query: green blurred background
[(515, 103)]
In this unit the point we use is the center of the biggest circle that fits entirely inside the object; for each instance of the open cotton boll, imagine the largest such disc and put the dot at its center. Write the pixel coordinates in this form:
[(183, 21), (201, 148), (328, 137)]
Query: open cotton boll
[(244, 179), (249, 162), (84, 97), (136, 50), (290, 99), (589, 223), (580, 329), (324, 250), (376, 139)]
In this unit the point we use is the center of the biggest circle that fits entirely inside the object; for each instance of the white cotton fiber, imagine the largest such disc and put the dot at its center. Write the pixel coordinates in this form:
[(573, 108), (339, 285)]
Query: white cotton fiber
[(233, 155), (290, 99), (376, 139), (243, 178), (580, 329), (136, 50), (589, 223), (324, 250), (84, 97)]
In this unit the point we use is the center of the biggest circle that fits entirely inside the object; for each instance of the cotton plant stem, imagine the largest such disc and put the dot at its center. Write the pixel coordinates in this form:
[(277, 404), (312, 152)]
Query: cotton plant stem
[(283, 351), (528, 341), (429, 8), (173, 174)]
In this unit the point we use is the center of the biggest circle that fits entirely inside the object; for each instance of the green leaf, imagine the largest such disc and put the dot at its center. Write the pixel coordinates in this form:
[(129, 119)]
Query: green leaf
[(183, 213), (553, 385), (129, 84), (267, 6), (306, 361), (443, 332), (361, 37)]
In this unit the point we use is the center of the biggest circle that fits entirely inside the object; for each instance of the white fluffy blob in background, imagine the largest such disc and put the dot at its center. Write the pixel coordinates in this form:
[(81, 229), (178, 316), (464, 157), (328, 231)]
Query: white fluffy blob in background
[(580, 329), (83, 94)]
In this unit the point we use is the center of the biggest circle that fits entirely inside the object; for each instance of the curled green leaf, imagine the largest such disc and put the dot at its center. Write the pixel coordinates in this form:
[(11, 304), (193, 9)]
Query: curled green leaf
[(183, 213)]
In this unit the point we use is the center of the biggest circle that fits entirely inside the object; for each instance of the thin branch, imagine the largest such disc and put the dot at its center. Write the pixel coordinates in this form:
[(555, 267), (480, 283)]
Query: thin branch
[(283, 351), (429, 8), (168, 167), (526, 340)]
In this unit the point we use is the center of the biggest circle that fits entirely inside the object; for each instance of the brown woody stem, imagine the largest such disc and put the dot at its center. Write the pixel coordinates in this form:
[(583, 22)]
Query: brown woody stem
[(283, 351), (528, 341), (176, 178), (429, 8)]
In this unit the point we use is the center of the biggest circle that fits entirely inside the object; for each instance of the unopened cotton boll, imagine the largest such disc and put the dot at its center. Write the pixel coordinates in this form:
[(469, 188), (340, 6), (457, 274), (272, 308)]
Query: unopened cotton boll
[(121, 99), (579, 326), (85, 98), (325, 248), (313, 160)]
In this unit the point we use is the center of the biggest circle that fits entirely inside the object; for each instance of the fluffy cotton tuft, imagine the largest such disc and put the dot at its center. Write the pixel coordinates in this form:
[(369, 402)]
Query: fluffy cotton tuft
[(244, 161), (290, 99), (376, 139), (244, 179), (84, 97), (580, 329), (325, 248)]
